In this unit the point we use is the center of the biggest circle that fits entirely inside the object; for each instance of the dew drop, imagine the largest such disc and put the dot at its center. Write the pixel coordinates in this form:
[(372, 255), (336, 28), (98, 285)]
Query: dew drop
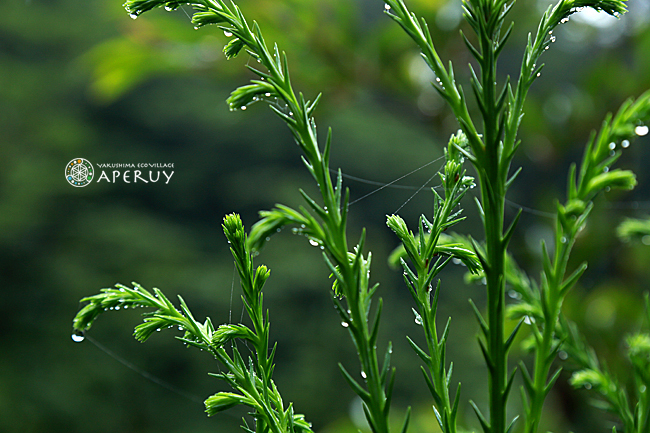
[(418, 318), (645, 240), (386, 6), (133, 16), (612, 146), (563, 355), (243, 107), (552, 38), (539, 74), (168, 8), (563, 239), (605, 169), (642, 388), (546, 48), (514, 294), (345, 324), (363, 374), (529, 320), (587, 386), (625, 144), (196, 27), (78, 336), (267, 95), (564, 20), (227, 33), (456, 260), (641, 130), (313, 243), (117, 307)]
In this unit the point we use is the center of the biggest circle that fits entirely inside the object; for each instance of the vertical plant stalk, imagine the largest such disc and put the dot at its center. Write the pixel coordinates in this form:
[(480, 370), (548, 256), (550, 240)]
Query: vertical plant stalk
[(594, 176), (428, 257), (492, 152)]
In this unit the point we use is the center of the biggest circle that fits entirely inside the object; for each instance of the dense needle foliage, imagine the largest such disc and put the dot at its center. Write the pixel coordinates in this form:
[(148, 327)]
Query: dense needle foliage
[(488, 140)]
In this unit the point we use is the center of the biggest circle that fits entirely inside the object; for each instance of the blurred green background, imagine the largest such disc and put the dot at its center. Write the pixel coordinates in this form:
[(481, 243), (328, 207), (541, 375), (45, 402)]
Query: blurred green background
[(81, 79)]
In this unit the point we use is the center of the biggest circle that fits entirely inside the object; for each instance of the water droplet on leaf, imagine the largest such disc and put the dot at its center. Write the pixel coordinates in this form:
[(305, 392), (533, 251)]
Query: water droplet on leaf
[(612, 146), (78, 336), (363, 374), (625, 144), (641, 130), (345, 324), (227, 33), (313, 243)]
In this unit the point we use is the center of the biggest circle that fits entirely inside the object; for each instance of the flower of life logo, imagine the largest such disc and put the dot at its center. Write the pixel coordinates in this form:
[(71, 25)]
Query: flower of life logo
[(79, 172)]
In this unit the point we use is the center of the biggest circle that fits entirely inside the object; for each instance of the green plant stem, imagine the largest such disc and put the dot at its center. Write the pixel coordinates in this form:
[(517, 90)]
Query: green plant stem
[(350, 268), (429, 258), (492, 197), (546, 343), (570, 220), (497, 355)]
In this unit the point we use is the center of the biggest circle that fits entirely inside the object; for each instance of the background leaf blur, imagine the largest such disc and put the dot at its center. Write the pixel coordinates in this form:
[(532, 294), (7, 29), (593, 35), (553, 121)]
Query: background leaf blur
[(83, 80)]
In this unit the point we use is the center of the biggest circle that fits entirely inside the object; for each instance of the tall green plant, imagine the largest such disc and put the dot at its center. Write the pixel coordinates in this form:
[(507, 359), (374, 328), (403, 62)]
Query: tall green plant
[(489, 140)]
